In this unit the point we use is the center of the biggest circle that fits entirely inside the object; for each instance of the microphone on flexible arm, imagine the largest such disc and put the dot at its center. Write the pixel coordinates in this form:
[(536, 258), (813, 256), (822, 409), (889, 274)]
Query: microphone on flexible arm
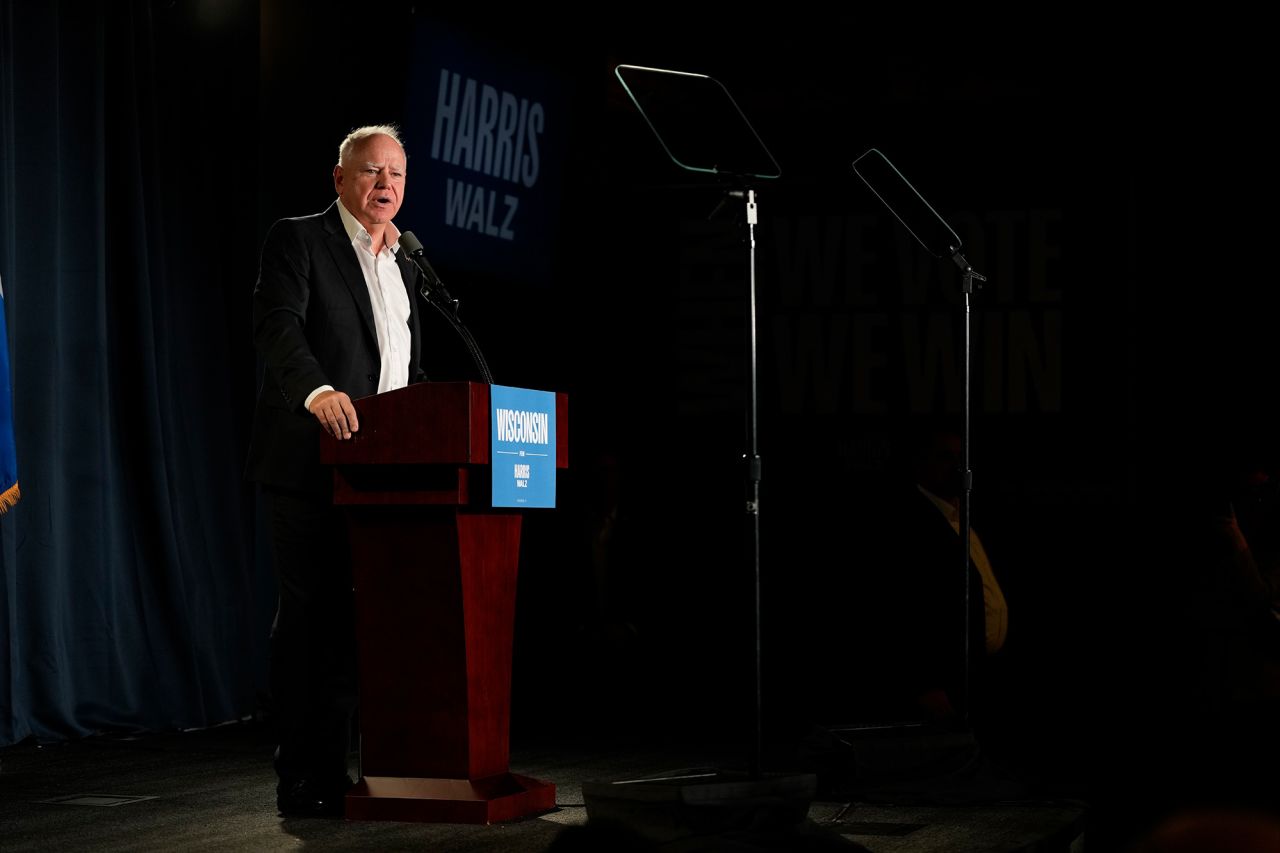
[(434, 288), (437, 295)]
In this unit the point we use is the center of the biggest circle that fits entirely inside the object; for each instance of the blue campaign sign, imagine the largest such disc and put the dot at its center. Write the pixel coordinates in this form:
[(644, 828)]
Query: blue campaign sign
[(523, 446)]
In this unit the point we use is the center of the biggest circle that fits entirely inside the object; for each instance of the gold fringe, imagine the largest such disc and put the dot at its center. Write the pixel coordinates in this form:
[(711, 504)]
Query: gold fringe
[(9, 497)]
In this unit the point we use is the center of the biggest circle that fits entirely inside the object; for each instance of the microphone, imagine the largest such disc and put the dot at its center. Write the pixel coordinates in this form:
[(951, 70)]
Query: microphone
[(434, 291), (416, 253), (433, 288)]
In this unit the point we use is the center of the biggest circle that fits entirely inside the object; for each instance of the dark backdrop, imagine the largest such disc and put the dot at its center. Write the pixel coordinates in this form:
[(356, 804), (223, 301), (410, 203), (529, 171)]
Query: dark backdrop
[(1107, 182)]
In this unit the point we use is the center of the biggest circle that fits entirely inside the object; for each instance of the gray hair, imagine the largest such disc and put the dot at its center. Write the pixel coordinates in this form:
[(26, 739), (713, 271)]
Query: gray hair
[(360, 134)]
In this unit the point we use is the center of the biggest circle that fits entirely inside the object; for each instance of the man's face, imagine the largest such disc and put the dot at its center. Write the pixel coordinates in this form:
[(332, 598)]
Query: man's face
[(371, 181)]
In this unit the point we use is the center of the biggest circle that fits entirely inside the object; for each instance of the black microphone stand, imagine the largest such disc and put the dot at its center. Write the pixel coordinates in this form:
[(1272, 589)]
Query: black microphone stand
[(439, 299)]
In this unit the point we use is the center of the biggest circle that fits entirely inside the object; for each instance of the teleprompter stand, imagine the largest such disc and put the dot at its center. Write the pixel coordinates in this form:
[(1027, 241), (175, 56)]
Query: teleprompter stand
[(937, 238), (703, 131)]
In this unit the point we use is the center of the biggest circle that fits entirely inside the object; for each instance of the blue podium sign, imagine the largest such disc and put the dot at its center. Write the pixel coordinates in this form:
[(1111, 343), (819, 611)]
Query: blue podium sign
[(523, 446)]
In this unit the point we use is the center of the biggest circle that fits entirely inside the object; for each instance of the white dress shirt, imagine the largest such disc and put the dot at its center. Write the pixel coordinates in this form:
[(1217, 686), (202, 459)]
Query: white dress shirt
[(390, 302)]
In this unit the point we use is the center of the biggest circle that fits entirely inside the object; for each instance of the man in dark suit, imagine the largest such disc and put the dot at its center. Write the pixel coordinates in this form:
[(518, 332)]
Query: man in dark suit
[(334, 319)]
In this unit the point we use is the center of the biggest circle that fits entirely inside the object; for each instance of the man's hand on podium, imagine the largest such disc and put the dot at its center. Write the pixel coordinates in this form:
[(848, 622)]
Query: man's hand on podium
[(334, 411)]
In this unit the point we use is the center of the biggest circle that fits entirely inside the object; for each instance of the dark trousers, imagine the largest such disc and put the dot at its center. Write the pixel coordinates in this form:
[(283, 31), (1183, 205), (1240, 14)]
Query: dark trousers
[(313, 657)]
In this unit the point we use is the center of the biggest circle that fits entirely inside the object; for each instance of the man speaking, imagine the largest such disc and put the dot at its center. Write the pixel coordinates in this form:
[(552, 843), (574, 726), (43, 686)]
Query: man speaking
[(334, 319)]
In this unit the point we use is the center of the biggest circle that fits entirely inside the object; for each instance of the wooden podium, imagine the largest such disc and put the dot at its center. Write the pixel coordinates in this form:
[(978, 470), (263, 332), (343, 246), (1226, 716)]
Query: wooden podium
[(434, 567)]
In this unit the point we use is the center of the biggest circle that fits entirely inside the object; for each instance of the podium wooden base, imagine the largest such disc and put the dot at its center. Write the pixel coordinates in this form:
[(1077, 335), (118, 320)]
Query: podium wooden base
[(506, 796)]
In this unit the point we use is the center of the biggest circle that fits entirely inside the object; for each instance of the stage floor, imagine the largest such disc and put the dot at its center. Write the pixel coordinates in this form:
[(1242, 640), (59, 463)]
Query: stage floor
[(214, 790)]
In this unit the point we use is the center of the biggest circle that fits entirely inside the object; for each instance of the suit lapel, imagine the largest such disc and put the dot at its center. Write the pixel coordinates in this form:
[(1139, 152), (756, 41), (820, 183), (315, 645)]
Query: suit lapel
[(344, 257)]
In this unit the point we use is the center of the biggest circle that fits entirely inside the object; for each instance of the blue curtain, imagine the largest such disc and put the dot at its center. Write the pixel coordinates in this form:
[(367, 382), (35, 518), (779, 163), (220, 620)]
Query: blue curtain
[(133, 594), (9, 489)]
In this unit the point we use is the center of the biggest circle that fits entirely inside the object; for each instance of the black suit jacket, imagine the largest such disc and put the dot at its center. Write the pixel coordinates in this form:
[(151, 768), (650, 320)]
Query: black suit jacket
[(312, 326)]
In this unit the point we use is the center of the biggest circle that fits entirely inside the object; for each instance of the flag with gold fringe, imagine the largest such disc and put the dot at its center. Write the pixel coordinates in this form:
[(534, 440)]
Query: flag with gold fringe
[(9, 492)]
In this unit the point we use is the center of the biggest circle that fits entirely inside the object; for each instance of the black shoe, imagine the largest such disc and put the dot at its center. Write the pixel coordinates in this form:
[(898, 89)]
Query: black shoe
[(311, 798)]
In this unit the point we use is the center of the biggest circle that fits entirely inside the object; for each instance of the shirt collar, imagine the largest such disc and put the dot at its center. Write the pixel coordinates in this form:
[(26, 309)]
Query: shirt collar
[(356, 231)]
